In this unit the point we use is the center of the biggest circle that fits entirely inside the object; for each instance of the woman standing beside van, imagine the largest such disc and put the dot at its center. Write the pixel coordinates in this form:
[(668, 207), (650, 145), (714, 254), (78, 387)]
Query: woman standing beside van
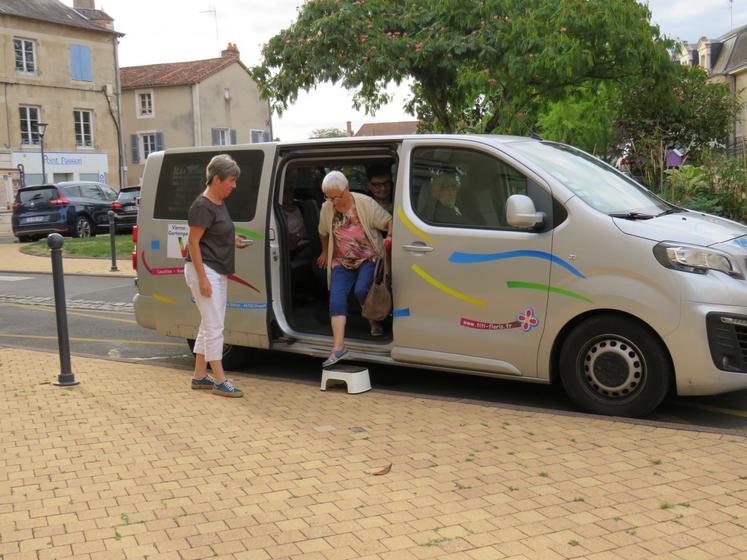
[(349, 230), (210, 260)]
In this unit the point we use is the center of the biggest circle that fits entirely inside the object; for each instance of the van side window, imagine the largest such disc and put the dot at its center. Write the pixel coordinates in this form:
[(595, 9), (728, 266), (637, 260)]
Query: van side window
[(182, 179), (465, 188)]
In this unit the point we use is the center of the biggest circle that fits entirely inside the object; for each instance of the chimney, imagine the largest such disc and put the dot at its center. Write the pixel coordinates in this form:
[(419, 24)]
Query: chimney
[(85, 4), (231, 51), (349, 128)]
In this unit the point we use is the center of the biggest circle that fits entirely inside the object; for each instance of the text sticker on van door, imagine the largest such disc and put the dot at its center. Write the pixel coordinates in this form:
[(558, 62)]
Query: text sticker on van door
[(176, 241)]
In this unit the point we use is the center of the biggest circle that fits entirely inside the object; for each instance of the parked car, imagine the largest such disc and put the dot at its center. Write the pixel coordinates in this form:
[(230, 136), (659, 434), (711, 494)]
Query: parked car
[(77, 208), (125, 207)]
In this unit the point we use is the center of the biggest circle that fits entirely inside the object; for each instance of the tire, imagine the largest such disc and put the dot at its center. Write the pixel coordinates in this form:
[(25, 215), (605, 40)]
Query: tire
[(83, 227), (234, 357), (615, 366), (24, 238)]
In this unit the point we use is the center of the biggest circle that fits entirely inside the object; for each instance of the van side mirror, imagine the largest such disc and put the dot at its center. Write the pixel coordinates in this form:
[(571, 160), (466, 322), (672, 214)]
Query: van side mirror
[(521, 213)]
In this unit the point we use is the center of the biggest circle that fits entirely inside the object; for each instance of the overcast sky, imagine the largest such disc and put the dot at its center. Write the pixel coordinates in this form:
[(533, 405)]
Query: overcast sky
[(169, 31)]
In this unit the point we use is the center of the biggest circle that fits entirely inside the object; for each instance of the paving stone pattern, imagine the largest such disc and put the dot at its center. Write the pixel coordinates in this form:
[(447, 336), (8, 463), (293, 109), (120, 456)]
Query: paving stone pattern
[(133, 464), (69, 303)]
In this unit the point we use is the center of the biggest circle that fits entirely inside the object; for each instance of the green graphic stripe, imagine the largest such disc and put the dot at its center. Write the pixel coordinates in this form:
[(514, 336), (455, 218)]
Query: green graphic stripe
[(545, 287), (249, 233)]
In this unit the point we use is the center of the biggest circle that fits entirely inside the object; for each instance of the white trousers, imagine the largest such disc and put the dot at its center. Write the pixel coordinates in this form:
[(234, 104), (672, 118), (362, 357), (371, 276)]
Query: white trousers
[(212, 311)]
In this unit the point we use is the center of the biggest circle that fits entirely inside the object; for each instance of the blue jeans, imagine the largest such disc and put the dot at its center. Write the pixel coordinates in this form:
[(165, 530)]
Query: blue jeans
[(343, 279)]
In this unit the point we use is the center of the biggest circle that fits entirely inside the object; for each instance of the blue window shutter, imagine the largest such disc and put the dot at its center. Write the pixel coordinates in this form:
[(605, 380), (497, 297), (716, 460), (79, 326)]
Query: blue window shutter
[(86, 70), (74, 62), (266, 136), (233, 136), (159, 141), (215, 137), (134, 141)]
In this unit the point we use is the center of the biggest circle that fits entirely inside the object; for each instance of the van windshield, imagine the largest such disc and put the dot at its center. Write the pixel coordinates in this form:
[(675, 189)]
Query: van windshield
[(598, 185)]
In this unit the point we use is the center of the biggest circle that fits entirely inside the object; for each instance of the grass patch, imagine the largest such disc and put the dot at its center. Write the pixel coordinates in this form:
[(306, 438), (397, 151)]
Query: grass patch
[(98, 247)]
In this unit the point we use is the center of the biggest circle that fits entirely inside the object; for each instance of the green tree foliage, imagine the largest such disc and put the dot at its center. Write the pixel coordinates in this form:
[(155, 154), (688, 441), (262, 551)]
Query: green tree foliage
[(328, 133), (585, 118), (474, 65), (684, 109)]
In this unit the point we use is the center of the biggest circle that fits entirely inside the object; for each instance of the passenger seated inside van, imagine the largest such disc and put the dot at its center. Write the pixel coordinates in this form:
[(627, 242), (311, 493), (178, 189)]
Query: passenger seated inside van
[(380, 185), (442, 208)]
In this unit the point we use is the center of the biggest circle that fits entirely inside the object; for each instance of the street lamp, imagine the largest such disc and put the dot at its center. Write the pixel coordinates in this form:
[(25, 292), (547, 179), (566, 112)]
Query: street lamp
[(41, 128)]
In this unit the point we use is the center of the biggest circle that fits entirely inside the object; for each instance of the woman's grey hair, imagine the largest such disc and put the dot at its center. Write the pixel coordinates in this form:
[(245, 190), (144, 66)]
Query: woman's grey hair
[(334, 180), (444, 180), (222, 166)]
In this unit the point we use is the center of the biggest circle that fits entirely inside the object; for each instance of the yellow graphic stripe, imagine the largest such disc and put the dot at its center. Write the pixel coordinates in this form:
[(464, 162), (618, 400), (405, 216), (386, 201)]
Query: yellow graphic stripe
[(409, 225), (164, 299), (443, 287)]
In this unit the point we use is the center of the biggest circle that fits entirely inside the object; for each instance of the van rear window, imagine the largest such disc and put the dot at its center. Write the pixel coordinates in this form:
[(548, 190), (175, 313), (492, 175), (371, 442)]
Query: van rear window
[(183, 179)]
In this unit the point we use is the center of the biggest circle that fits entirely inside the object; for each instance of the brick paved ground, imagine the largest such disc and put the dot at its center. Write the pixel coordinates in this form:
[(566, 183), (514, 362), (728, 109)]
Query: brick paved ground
[(133, 464)]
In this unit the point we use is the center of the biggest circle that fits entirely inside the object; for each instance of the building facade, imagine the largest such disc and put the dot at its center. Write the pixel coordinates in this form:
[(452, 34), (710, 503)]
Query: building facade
[(212, 102), (725, 60), (58, 65)]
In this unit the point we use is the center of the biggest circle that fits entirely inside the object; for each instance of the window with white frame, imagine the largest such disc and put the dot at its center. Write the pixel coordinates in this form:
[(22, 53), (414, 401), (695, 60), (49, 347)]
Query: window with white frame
[(224, 137), (144, 101), (29, 124), (83, 128), (25, 51), (149, 144)]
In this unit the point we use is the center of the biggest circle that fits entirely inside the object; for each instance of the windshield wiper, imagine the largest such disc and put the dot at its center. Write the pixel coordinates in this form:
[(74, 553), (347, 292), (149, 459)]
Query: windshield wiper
[(631, 215), (670, 211)]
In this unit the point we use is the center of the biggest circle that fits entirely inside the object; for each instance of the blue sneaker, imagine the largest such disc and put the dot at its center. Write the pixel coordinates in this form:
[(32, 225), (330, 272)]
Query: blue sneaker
[(335, 357), (204, 383), (227, 389)]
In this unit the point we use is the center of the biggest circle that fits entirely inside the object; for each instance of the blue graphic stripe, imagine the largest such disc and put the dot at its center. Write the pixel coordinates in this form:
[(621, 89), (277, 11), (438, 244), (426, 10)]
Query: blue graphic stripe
[(242, 305), (470, 258), (404, 312)]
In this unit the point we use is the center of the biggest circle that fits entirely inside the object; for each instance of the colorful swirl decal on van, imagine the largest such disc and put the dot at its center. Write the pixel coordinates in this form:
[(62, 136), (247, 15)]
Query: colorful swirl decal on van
[(470, 258), (409, 225), (444, 288), (404, 312), (525, 320), (546, 288), (160, 271), (180, 270), (248, 233)]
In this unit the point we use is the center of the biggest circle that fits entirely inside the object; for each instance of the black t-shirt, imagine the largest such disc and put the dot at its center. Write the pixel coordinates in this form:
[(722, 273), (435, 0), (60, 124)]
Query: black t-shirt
[(217, 243)]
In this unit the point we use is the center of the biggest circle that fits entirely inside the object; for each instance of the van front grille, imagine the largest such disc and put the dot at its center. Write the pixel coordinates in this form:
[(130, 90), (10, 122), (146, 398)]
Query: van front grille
[(727, 340)]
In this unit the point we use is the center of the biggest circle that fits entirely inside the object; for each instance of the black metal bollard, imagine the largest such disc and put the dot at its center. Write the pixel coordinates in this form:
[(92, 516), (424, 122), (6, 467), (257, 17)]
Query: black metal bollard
[(66, 378), (113, 239)]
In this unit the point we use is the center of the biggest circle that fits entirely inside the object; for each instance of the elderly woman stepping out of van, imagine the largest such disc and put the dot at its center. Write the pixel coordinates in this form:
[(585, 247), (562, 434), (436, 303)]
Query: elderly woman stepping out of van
[(350, 226), (210, 260)]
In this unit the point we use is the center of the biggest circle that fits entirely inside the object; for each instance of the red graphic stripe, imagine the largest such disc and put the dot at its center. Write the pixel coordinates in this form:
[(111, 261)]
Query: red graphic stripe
[(244, 282)]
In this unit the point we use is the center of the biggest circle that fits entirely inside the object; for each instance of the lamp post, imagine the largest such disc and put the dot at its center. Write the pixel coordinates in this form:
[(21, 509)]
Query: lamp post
[(41, 128)]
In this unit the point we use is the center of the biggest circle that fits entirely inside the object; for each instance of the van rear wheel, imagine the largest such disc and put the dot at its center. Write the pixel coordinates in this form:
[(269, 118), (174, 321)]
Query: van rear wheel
[(234, 357), (615, 366)]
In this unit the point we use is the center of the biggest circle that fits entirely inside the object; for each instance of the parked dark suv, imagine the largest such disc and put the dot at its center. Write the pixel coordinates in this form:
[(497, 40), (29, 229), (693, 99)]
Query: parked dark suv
[(125, 207), (76, 208)]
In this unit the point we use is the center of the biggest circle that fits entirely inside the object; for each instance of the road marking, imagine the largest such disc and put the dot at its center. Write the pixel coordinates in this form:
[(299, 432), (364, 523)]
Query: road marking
[(75, 313), (14, 278), (101, 340), (712, 408)]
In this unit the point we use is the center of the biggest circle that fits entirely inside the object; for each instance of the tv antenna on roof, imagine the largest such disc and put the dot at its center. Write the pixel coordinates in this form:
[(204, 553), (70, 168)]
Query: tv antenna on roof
[(213, 12)]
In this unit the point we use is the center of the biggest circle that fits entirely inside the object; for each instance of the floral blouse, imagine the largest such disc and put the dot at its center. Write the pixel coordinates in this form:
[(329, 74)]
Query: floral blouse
[(352, 247)]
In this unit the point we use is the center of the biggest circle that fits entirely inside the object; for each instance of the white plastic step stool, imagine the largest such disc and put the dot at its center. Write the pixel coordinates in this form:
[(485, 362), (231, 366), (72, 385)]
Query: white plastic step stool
[(355, 377)]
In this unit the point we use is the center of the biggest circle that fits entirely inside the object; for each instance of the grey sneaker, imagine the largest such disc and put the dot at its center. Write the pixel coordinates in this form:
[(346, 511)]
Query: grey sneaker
[(335, 357)]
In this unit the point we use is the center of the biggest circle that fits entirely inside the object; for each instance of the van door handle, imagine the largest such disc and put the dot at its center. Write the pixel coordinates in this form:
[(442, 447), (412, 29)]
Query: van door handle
[(418, 248)]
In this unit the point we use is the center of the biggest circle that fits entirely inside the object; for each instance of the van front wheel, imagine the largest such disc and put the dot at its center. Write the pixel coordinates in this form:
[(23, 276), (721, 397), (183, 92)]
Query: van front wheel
[(615, 366), (234, 357)]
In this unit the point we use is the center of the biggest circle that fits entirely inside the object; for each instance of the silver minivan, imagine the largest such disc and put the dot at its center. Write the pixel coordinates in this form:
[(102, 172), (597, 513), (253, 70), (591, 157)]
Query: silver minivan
[(550, 266)]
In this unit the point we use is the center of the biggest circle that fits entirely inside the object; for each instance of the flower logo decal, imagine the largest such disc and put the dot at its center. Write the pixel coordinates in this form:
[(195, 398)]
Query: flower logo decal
[(527, 319)]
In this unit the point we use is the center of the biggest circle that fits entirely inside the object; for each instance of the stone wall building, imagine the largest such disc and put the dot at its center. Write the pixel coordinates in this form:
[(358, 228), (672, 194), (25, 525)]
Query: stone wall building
[(212, 102), (58, 65)]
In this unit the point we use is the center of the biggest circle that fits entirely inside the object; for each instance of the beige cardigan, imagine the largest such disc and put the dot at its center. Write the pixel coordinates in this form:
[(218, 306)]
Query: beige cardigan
[(373, 219)]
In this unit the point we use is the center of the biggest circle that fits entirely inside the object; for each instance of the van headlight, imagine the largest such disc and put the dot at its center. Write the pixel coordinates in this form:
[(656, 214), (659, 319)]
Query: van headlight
[(695, 259)]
